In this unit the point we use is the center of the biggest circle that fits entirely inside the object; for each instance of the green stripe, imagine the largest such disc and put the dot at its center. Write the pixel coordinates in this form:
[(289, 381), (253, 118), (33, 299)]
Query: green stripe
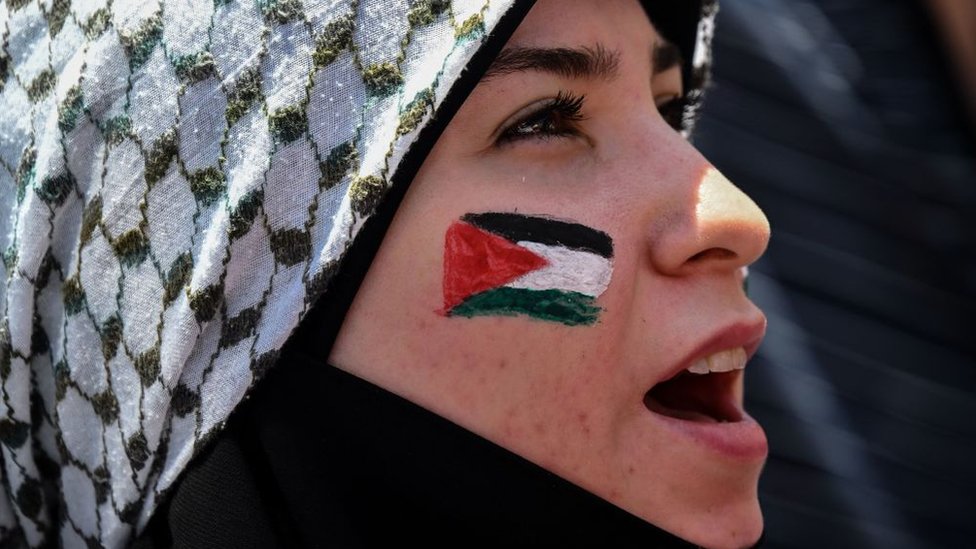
[(569, 308)]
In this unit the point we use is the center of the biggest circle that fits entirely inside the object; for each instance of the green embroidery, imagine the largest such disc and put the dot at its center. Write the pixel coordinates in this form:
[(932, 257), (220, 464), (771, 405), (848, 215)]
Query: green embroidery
[(335, 37), (25, 172), (178, 277), (204, 303), (102, 486), (320, 281), (281, 11), (288, 124), (90, 219), (473, 26), (131, 247), (382, 79), (111, 336), (137, 449), (73, 295), (247, 91), (425, 12), (195, 67), (244, 213), (291, 246), (97, 23), (57, 15), (15, 5), (207, 185), (147, 365), (62, 379), (55, 189), (106, 406), (140, 42), (41, 85), (365, 193), (10, 258), (70, 109), (240, 327), (160, 155), (341, 160), (185, 401), (261, 364), (414, 113), (117, 129)]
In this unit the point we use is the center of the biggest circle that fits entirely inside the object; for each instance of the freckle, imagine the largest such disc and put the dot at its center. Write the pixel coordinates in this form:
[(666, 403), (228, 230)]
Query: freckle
[(503, 364), (630, 470), (582, 417), (540, 429)]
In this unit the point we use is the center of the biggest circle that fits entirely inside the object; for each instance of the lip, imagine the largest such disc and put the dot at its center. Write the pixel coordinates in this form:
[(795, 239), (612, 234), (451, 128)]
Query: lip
[(747, 335), (744, 439)]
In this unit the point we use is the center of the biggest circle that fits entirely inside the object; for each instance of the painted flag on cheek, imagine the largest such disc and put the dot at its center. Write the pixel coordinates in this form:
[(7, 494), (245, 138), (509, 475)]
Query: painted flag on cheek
[(504, 264)]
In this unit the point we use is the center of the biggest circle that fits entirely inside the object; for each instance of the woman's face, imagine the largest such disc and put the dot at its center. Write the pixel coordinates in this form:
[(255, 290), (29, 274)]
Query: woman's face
[(562, 253)]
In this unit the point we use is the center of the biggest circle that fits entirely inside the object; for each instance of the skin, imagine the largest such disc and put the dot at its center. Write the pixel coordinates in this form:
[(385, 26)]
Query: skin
[(571, 398)]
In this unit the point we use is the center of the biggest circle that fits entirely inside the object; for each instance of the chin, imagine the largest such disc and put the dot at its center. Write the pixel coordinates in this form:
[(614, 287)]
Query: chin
[(733, 526)]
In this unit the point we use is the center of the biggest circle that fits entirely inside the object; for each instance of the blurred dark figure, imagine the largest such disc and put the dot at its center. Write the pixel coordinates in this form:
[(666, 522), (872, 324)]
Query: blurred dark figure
[(851, 122)]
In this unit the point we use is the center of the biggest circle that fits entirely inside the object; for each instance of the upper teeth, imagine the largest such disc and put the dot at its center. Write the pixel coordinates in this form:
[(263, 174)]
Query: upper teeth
[(722, 361)]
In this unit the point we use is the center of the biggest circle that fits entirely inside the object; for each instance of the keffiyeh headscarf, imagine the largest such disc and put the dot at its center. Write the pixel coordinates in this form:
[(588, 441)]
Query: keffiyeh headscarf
[(179, 181)]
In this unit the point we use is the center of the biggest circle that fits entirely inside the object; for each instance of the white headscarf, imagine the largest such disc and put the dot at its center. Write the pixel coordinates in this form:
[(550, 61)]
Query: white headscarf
[(178, 182)]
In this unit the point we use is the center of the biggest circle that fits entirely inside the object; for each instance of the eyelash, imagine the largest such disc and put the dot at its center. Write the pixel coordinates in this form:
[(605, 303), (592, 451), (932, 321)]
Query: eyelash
[(559, 116)]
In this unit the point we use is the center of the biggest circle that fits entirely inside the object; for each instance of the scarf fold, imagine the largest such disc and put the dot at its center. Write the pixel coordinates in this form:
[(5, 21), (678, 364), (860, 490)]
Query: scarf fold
[(179, 182)]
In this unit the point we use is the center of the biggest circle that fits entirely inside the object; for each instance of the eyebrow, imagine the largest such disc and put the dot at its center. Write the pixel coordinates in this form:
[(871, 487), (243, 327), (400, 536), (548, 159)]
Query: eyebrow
[(581, 62)]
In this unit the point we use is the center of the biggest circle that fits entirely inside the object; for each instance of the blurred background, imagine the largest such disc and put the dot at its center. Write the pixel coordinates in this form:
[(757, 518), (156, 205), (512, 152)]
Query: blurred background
[(853, 124)]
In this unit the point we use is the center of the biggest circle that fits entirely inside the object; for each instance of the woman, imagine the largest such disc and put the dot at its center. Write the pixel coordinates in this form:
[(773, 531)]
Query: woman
[(562, 283)]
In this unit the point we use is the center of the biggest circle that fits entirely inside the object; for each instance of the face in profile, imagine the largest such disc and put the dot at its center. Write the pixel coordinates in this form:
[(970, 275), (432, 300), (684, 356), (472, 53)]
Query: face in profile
[(565, 278)]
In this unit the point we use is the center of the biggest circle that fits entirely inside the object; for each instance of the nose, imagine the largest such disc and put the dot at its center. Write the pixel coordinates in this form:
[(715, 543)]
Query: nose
[(718, 229)]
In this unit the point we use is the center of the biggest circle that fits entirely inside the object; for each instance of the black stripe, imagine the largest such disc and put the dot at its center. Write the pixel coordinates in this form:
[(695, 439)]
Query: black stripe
[(544, 230)]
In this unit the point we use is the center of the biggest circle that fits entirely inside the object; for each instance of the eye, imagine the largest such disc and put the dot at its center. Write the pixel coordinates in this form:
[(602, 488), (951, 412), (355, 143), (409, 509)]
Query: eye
[(672, 109), (555, 117)]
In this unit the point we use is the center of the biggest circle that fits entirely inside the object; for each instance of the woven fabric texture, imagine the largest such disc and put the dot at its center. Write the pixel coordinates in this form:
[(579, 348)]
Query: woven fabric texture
[(178, 182)]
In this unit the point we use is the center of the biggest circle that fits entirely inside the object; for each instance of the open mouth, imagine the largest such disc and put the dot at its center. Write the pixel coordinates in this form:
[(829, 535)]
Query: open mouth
[(704, 393)]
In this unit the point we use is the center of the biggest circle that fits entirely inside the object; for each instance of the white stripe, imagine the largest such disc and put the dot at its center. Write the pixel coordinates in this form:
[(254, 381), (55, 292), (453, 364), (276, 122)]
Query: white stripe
[(570, 270)]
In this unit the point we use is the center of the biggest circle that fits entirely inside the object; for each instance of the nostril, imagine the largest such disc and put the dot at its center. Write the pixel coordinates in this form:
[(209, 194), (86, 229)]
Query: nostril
[(713, 254)]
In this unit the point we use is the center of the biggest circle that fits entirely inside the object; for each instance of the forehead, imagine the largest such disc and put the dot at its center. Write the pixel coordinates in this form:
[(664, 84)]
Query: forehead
[(575, 22)]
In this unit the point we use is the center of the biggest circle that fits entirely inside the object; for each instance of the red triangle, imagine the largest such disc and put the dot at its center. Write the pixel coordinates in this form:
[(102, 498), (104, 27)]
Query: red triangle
[(475, 261)]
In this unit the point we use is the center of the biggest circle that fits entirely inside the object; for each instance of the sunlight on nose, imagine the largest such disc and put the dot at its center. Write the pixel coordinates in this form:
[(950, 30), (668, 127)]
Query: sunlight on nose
[(726, 214), (720, 200)]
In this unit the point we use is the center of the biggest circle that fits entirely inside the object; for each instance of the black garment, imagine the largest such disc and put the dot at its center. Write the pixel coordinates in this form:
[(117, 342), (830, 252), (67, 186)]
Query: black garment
[(320, 458)]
